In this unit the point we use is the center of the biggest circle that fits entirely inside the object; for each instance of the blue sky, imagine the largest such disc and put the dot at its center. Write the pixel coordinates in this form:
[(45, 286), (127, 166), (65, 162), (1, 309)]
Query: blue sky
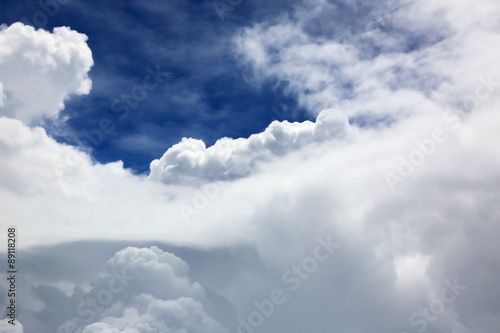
[(206, 95), (323, 166)]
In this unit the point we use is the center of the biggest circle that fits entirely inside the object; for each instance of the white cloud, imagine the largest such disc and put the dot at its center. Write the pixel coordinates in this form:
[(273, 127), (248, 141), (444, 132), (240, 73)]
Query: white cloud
[(411, 270), (2, 96), (5, 327), (190, 161), (141, 290), (156, 272), (345, 73), (331, 187), (39, 70), (146, 314), (158, 295)]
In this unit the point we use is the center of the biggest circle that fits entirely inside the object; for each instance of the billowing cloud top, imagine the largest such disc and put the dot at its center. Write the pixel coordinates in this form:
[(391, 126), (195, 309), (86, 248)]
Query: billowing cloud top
[(190, 161), (39, 70), (142, 290)]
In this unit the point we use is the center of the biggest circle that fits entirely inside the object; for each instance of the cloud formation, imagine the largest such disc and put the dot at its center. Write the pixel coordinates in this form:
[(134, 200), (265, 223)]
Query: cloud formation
[(400, 56), (190, 160), (142, 289), (39, 70), (146, 314), (7, 328), (416, 256)]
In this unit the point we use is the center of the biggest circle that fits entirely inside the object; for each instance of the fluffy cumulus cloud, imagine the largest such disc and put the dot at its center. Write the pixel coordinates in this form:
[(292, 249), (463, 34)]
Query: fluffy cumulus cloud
[(162, 273), (39, 70), (172, 316), (8, 328), (190, 160), (400, 167), (140, 290)]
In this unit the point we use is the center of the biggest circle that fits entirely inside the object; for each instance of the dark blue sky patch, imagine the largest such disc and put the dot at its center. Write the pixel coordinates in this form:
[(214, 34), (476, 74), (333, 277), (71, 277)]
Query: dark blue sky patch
[(205, 95), (134, 115)]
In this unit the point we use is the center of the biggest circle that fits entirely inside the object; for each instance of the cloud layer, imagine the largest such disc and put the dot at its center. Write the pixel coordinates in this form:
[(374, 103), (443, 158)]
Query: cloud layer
[(400, 167)]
